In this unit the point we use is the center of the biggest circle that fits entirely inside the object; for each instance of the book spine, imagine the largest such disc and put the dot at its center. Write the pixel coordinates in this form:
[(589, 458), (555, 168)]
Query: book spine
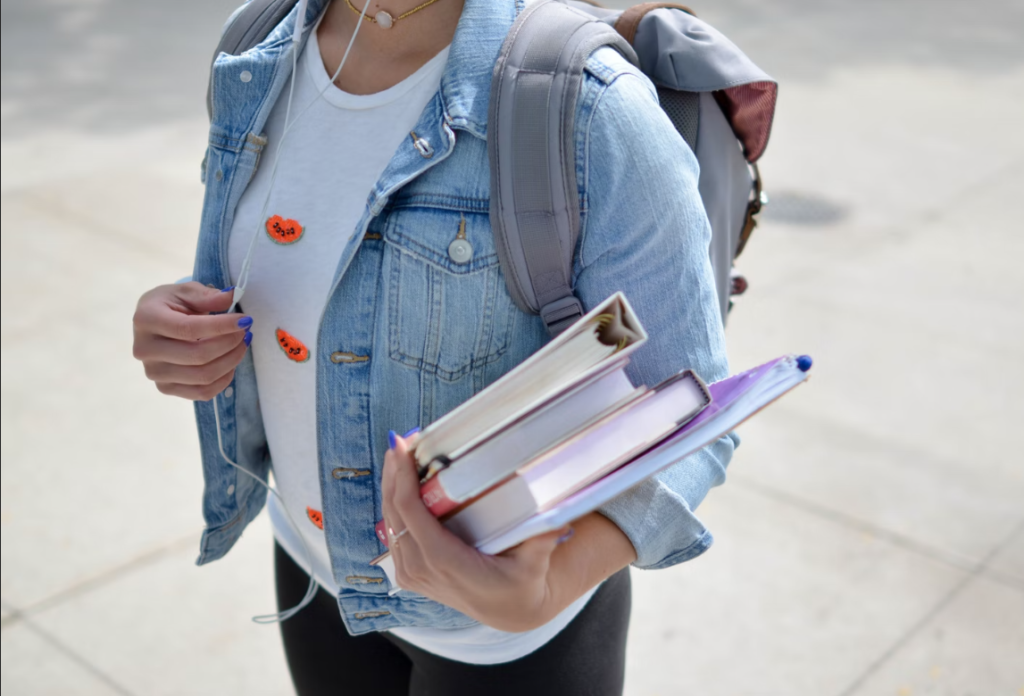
[(436, 498)]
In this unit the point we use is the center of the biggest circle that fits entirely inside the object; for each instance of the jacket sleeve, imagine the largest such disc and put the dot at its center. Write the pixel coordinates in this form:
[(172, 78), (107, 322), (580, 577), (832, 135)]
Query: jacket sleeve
[(645, 233)]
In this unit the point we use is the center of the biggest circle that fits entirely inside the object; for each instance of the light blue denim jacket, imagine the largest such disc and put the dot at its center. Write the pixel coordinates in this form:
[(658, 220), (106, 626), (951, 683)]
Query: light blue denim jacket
[(408, 333)]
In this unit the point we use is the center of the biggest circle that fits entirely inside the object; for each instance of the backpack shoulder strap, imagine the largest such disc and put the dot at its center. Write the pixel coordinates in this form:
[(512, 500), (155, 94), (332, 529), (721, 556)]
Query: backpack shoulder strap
[(249, 25), (535, 214)]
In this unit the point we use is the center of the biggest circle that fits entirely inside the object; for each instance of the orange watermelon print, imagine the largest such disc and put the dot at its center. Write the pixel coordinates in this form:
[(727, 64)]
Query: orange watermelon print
[(284, 231), (316, 517), (293, 348)]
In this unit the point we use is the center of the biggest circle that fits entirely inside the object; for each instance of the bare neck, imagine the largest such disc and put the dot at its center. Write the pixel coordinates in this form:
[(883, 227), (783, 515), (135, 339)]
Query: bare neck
[(381, 58)]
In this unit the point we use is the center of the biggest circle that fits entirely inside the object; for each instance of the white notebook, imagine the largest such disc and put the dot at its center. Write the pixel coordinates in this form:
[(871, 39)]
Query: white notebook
[(608, 332), (499, 457)]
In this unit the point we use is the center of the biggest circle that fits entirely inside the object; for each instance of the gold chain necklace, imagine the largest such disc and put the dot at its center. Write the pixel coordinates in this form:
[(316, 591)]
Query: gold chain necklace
[(384, 19)]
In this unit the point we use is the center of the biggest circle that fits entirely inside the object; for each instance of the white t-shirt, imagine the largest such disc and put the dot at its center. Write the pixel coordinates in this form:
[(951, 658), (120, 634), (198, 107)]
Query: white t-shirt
[(333, 156)]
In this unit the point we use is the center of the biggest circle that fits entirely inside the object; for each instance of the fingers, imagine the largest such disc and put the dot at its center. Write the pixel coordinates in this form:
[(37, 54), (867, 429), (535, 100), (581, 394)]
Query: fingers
[(196, 393), (170, 323), (410, 569), (180, 312), (392, 518), (196, 298), (439, 546), (149, 348), (203, 374)]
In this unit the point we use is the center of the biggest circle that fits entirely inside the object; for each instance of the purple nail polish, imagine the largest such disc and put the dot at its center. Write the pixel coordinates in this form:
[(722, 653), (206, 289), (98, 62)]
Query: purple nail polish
[(248, 338), (245, 322), (567, 536), (228, 288), (412, 432), (392, 435)]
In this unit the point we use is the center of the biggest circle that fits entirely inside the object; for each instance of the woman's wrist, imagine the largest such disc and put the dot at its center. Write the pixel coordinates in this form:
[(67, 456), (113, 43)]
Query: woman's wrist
[(597, 550)]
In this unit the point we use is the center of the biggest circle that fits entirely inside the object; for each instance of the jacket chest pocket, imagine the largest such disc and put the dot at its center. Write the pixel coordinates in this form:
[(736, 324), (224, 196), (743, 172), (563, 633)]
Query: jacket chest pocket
[(449, 311)]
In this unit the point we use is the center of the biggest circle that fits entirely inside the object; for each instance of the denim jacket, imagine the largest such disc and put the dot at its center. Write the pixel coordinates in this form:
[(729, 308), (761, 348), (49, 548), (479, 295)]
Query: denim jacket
[(408, 332)]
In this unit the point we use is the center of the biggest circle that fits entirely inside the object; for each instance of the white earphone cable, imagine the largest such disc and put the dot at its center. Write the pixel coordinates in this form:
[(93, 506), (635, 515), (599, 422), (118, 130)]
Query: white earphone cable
[(243, 279), (243, 275)]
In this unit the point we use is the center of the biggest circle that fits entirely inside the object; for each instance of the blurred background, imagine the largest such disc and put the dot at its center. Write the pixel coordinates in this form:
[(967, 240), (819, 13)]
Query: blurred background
[(870, 539)]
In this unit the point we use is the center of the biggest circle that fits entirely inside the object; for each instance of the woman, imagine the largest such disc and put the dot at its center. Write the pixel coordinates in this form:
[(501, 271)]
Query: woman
[(360, 320)]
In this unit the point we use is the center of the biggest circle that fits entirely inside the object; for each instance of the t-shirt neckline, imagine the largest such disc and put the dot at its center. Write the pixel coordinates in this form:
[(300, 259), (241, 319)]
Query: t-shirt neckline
[(345, 100)]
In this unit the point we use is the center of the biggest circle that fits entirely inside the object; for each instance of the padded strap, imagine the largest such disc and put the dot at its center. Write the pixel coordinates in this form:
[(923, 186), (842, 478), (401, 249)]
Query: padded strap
[(252, 23), (535, 213)]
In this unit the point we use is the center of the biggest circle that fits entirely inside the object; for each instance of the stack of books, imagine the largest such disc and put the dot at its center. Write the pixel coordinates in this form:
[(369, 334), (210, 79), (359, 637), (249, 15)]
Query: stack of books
[(566, 431)]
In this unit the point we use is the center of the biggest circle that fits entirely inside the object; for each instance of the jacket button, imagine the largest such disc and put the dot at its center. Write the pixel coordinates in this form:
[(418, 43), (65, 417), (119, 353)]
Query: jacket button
[(344, 472), (338, 357), (422, 146), (460, 251), (363, 580), (245, 76)]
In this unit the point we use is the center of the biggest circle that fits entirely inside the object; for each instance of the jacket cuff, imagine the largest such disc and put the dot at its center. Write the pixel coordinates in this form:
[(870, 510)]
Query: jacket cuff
[(660, 525), (657, 514)]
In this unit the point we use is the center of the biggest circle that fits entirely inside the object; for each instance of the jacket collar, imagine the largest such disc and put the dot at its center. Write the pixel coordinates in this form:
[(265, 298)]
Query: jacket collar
[(466, 83)]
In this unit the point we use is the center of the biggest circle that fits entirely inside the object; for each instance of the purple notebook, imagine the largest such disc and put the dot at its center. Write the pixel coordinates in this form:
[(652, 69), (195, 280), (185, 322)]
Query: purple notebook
[(734, 400)]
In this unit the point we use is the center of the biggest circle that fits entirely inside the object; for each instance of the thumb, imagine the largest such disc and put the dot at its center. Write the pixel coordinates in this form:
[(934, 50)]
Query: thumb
[(536, 552), (196, 298)]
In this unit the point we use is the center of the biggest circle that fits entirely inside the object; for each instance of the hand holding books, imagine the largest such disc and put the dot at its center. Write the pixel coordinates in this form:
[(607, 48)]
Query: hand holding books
[(566, 431), (520, 589)]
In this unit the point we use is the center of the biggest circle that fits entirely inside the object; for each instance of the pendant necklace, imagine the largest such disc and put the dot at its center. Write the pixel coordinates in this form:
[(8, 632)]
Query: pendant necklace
[(383, 19)]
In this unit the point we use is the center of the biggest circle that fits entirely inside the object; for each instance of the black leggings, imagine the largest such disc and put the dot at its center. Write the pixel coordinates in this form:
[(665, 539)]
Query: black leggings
[(587, 658)]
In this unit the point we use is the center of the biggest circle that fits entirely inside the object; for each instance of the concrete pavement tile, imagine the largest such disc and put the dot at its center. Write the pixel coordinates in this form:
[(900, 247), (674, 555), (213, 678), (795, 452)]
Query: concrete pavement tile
[(107, 67), (783, 603), (144, 211), (925, 277), (173, 150), (31, 666), (881, 143), (908, 419), (877, 374), (940, 503), (972, 646), (93, 441), (172, 626), (1009, 562), (895, 428)]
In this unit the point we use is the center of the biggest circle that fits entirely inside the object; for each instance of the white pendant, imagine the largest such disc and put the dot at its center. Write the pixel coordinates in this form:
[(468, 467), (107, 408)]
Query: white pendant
[(383, 19)]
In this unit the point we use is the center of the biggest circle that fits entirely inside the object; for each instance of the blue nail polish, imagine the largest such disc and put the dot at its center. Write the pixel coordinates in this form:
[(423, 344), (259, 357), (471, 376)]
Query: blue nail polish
[(247, 338), (228, 288), (392, 435), (245, 322), (567, 536), (804, 363), (412, 432)]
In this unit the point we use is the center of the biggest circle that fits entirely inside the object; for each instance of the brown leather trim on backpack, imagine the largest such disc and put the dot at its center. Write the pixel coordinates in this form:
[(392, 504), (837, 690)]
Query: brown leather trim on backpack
[(753, 208), (629, 20)]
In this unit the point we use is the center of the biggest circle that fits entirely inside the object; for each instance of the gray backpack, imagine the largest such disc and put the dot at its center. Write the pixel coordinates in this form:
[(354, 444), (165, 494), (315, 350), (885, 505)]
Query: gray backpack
[(719, 101)]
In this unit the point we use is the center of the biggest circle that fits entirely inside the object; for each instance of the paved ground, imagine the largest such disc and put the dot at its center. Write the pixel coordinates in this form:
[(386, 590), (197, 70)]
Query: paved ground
[(871, 537)]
